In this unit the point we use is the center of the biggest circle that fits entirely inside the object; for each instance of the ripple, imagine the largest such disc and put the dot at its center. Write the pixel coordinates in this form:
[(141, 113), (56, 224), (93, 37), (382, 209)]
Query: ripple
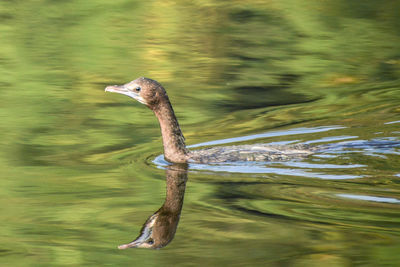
[(370, 198), (374, 147), (302, 130), (301, 164), (331, 139), (392, 122), (250, 168)]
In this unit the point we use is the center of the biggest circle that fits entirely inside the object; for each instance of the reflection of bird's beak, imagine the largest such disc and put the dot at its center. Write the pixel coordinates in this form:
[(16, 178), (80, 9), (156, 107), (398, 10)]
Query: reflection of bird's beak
[(122, 89), (133, 244), (142, 241)]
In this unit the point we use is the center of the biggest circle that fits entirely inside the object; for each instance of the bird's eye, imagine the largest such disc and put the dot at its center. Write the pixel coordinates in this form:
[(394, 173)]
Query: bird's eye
[(150, 242), (137, 89)]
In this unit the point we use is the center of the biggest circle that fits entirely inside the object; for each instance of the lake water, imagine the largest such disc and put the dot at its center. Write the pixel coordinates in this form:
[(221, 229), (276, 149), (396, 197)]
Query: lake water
[(81, 169)]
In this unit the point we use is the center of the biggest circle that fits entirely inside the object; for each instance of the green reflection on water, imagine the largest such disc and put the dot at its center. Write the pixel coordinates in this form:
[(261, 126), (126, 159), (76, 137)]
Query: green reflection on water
[(75, 182)]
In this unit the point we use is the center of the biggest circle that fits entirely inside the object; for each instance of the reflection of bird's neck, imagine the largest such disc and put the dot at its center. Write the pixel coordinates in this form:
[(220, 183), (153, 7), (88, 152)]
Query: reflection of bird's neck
[(159, 229), (173, 140), (176, 183)]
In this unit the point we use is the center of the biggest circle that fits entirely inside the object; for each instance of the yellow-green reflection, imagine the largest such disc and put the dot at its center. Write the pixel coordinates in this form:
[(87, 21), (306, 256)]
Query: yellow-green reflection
[(75, 179)]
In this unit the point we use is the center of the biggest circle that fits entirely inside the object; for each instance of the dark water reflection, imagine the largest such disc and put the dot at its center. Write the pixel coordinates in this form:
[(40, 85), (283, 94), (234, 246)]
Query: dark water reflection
[(80, 171)]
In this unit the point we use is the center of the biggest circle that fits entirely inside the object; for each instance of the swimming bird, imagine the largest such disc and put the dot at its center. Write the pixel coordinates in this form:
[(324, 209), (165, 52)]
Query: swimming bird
[(152, 94)]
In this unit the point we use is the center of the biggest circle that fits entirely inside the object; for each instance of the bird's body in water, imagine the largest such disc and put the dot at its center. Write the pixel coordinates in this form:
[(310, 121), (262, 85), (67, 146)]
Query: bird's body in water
[(153, 95)]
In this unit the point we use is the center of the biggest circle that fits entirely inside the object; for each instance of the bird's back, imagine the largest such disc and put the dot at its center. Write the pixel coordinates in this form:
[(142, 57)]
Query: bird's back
[(255, 152)]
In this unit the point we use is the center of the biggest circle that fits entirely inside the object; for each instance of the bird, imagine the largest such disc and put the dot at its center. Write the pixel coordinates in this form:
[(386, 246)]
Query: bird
[(152, 94)]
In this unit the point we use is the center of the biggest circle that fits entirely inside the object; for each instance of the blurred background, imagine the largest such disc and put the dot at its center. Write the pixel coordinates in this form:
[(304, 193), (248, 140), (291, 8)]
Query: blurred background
[(78, 176)]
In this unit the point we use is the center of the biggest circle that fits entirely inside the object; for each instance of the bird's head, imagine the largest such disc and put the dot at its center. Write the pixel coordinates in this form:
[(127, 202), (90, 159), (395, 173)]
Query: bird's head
[(144, 90)]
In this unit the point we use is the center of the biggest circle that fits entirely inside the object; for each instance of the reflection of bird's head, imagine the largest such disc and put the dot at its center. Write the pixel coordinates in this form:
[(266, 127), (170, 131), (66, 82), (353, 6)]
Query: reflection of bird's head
[(156, 232), (145, 239)]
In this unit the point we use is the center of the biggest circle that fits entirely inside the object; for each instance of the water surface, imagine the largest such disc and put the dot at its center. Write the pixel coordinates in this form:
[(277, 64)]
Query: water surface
[(81, 170)]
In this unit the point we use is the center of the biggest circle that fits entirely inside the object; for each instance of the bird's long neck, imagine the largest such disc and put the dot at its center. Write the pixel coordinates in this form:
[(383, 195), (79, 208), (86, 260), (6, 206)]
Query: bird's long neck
[(173, 140)]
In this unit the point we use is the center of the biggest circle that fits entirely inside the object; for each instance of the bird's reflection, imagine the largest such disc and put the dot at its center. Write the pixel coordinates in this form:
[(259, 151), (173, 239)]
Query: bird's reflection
[(160, 228)]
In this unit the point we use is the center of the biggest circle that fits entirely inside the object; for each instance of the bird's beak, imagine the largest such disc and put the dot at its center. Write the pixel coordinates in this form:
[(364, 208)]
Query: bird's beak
[(122, 89)]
